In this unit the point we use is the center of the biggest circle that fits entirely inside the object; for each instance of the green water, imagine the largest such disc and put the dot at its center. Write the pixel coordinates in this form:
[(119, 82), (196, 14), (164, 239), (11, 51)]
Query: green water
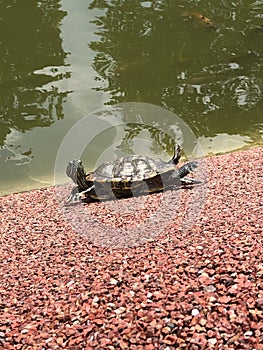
[(62, 60)]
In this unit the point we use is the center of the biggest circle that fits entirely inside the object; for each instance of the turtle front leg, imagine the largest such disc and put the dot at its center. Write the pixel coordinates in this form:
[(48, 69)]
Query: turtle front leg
[(76, 196), (73, 197)]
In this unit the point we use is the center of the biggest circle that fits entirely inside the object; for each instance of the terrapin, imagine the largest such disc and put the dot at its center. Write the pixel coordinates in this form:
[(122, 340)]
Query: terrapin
[(128, 177)]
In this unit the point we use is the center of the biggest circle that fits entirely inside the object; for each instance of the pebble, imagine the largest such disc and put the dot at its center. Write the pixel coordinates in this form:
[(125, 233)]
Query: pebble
[(201, 285)]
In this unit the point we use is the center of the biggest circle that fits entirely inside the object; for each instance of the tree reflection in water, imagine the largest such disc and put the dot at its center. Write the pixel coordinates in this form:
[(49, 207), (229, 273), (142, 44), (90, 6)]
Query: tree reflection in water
[(151, 51), (30, 41)]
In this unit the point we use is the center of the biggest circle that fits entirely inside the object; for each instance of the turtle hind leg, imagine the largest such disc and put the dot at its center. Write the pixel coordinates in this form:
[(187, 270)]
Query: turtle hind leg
[(187, 169)]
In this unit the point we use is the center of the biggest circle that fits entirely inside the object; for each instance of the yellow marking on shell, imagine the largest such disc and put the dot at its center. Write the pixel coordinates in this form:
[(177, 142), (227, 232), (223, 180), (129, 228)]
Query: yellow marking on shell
[(121, 185)]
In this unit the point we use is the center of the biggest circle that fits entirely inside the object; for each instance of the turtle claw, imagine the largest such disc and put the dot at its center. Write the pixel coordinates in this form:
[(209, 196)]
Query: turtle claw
[(74, 196), (190, 181)]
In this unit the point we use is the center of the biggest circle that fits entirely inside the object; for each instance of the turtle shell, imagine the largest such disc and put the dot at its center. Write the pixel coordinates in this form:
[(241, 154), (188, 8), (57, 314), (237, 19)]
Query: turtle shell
[(131, 176)]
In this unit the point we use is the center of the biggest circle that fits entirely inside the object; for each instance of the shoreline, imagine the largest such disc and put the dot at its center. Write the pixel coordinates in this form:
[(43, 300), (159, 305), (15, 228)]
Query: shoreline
[(209, 155), (184, 288)]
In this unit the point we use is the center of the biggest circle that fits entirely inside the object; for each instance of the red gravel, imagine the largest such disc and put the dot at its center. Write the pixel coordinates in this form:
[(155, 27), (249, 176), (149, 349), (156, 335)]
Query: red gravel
[(200, 288)]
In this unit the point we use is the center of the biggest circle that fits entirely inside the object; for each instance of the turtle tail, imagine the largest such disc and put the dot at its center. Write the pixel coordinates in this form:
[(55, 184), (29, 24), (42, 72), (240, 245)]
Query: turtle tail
[(187, 168), (177, 155)]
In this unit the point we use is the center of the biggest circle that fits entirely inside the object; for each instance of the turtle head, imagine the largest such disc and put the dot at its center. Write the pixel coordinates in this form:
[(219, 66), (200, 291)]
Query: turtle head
[(76, 172)]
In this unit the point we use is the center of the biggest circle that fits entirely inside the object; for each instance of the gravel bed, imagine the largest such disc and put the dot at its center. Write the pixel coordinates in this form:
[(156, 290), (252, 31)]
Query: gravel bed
[(198, 286)]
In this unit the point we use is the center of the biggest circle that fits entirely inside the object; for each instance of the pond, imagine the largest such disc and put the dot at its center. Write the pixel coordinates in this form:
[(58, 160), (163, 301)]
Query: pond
[(63, 60)]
